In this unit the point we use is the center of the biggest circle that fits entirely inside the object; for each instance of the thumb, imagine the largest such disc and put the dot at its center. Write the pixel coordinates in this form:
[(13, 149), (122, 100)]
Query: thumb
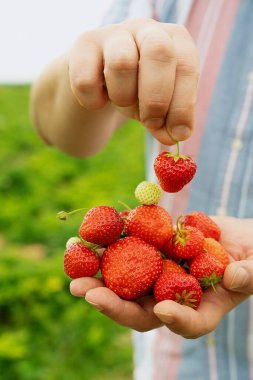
[(238, 276)]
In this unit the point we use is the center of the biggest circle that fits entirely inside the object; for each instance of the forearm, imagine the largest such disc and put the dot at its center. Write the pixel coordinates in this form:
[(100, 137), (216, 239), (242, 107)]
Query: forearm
[(62, 121)]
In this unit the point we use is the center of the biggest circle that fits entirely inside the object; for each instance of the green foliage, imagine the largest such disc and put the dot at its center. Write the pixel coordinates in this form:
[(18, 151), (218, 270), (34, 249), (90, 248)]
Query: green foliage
[(45, 333)]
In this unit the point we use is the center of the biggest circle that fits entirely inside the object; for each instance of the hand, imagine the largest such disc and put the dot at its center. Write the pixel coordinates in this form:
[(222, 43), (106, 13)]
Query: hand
[(146, 69), (237, 285), (145, 315)]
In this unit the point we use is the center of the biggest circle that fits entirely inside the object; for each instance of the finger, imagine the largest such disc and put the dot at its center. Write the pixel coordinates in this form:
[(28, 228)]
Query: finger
[(138, 316), (86, 72), (181, 113), (157, 68), (80, 286), (121, 67), (238, 276), (191, 323)]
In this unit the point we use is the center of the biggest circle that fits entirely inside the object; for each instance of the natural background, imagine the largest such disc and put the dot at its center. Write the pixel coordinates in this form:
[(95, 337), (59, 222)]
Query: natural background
[(45, 333)]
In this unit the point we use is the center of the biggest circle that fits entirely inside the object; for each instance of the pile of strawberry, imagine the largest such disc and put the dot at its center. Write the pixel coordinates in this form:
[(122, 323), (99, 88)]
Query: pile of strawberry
[(139, 252)]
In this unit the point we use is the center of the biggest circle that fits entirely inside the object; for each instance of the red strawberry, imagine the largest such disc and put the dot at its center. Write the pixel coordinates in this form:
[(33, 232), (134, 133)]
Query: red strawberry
[(130, 267), (80, 261), (214, 248), (207, 269), (174, 171), (204, 223), (188, 241), (171, 266), (168, 249), (179, 287), (101, 225), (151, 223)]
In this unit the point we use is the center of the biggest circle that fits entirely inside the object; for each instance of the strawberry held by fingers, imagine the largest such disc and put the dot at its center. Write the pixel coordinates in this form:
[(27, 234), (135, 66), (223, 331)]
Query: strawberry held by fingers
[(130, 267), (174, 170)]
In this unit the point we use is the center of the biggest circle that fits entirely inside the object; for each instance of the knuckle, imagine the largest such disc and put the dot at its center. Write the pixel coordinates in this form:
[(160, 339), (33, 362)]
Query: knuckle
[(187, 68), (121, 61), (159, 49), (155, 108), (179, 115), (83, 84)]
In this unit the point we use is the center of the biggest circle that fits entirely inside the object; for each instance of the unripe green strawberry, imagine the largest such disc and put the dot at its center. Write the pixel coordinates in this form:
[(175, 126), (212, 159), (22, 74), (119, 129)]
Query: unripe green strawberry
[(148, 193)]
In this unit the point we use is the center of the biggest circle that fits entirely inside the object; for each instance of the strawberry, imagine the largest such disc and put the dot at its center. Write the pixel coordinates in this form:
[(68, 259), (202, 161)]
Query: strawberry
[(150, 223), (204, 223), (102, 225), (72, 240), (168, 249), (214, 248), (171, 266), (174, 171), (124, 214), (179, 287), (188, 241), (207, 269), (130, 267), (80, 261), (148, 193)]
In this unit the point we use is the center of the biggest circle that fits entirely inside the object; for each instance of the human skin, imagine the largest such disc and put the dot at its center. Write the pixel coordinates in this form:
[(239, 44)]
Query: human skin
[(140, 69), (145, 314)]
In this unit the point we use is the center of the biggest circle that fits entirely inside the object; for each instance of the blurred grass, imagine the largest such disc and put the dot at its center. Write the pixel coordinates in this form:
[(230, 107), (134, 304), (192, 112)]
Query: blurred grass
[(44, 332)]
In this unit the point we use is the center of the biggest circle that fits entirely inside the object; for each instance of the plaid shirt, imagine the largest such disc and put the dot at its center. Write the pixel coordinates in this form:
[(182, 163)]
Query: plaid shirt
[(222, 144)]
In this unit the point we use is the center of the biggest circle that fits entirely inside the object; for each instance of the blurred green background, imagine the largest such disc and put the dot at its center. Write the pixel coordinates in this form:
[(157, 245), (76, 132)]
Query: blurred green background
[(45, 333)]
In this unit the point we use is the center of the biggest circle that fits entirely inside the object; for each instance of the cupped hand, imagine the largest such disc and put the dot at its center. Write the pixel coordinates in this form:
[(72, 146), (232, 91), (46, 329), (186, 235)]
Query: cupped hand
[(145, 314), (236, 286), (148, 70)]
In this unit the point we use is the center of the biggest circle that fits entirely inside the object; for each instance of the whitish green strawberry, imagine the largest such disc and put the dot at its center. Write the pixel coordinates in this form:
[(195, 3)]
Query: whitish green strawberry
[(148, 193)]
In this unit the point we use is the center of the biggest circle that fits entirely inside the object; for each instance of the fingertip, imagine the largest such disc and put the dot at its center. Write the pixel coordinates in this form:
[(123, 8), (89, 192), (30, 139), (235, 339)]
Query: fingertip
[(75, 288), (166, 311), (180, 132), (235, 277)]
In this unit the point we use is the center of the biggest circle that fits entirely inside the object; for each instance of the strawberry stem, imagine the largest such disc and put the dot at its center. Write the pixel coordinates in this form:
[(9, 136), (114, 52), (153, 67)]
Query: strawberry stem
[(125, 205), (63, 215), (178, 149)]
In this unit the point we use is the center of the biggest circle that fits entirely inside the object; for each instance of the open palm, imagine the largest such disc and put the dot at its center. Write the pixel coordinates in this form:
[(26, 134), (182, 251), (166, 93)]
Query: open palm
[(145, 314)]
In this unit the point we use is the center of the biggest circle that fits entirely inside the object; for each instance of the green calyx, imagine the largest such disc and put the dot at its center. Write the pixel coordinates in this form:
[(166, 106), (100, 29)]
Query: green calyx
[(177, 155), (186, 298), (207, 281), (182, 235)]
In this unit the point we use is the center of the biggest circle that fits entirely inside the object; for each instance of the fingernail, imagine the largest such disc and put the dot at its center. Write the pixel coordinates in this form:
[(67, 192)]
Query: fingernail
[(180, 132), (155, 123), (239, 279), (95, 305)]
